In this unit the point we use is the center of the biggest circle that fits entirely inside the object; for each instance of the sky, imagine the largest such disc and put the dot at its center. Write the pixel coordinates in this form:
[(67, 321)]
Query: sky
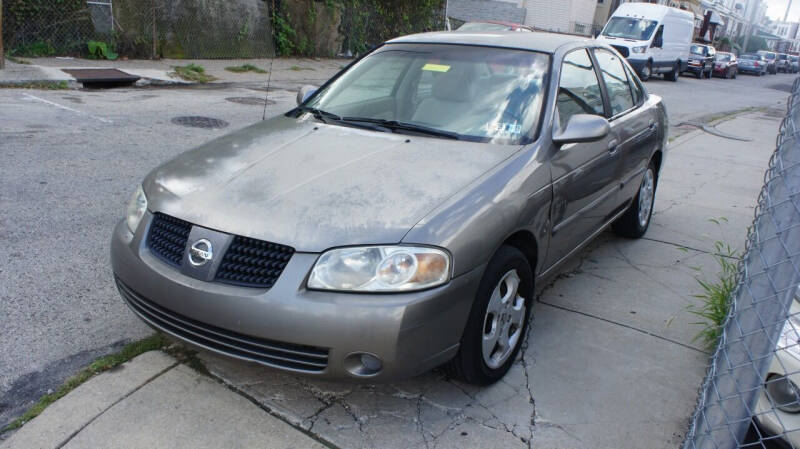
[(777, 8)]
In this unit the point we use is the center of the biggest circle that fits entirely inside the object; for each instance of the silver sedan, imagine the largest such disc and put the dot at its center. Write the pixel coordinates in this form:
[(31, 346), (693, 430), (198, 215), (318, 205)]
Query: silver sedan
[(400, 217)]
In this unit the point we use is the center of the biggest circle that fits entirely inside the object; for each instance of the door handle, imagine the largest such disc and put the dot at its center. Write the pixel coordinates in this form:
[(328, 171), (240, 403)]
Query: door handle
[(652, 125), (613, 147)]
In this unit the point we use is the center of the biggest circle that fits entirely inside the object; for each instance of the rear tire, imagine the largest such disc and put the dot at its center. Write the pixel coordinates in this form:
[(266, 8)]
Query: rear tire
[(635, 221), (507, 324), (673, 75), (701, 73)]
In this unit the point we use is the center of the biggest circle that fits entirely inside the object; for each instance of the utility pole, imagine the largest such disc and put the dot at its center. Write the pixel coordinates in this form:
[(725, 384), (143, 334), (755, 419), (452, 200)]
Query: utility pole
[(754, 7), (788, 7), (2, 53)]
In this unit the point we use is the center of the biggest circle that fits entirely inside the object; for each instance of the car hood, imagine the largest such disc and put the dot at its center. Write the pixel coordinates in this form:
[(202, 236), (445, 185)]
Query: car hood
[(314, 186)]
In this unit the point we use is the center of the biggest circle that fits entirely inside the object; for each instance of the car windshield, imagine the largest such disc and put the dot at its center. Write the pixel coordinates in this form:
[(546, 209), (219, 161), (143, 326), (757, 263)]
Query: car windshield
[(630, 28), (723, 57), (794, 58), (769, 56), (698, 50), (783, 57), (471, 93)]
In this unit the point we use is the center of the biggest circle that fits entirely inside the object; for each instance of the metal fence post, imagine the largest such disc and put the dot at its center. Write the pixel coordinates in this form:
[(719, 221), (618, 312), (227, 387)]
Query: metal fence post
[(2, 52)]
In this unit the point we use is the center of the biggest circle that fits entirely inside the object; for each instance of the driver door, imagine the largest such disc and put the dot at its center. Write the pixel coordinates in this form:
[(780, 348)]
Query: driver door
[(585, 184)]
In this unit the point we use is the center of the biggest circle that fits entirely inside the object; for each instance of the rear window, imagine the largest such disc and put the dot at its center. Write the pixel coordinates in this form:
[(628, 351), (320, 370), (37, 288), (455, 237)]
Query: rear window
[(723, 57), (750, 57), (783, 57)]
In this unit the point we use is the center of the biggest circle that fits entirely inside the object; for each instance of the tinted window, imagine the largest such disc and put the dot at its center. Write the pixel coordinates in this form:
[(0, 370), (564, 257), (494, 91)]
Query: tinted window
[(617, 83), (698, 50), (578, 91)]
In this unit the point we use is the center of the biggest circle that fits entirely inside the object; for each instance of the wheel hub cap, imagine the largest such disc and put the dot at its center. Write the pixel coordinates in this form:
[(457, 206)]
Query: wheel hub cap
[(504, 320), (646, 194)]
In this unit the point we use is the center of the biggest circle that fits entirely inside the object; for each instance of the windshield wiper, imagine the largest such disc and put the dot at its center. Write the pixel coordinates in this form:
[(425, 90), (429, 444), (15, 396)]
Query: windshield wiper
[(319, 114), (394, 125)]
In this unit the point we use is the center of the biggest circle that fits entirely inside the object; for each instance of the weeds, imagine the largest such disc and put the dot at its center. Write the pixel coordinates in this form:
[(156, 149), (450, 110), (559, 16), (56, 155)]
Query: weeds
[(100, 365), (298, 68), (193, 72), (245, 68), (717, 296)]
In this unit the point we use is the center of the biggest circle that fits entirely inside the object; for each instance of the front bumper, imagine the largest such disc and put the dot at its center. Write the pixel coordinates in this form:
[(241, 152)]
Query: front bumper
[(289, 327), (637, 64), (694, 68)]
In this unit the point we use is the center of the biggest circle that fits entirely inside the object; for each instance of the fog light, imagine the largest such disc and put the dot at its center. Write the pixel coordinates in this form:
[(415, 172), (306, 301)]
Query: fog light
[(363, 364), (784, 393)]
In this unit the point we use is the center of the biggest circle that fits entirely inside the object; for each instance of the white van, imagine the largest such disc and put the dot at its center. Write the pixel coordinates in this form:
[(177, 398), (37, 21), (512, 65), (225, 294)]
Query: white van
[(654, 38)]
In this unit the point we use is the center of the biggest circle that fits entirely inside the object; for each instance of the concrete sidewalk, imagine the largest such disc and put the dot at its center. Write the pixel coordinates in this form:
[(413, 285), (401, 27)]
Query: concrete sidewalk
[(610, 361), (286, 72), (153, 401)]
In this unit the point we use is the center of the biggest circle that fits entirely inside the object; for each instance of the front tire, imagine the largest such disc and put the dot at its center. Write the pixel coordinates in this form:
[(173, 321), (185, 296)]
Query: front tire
[(635, 221), (647, 71), (498, 321)]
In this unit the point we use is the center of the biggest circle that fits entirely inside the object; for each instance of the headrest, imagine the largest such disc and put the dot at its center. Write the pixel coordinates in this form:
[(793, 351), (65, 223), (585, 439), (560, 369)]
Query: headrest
[(457, 84)]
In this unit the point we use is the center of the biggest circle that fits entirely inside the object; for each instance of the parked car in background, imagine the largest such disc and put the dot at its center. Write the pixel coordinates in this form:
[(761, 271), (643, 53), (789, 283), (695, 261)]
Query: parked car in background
[(372, 263), (753, 63), (654, 38), (778, 407), (490, 25), (794, 60), (771, 59), (701, 60), (782, 63), (726, 65)]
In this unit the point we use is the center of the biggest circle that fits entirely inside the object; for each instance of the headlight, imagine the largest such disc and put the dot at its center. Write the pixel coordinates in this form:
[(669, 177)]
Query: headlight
[(784, 394), (380, 269), (641, 49), (136, 207)]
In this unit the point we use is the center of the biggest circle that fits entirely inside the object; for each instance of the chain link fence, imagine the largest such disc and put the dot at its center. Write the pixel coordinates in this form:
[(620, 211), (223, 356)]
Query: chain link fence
[(139, 28), (750, 396)]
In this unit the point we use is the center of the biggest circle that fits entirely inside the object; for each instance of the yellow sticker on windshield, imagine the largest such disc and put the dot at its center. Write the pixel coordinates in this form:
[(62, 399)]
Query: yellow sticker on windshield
[(436, 67)]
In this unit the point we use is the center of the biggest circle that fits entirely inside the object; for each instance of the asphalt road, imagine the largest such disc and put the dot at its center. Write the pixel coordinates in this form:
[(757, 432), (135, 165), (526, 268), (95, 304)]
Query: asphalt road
[(70, 160)]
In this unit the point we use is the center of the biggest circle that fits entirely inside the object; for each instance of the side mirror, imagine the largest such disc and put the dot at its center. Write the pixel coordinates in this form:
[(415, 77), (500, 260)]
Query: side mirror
[(583, 128), (305, 92)]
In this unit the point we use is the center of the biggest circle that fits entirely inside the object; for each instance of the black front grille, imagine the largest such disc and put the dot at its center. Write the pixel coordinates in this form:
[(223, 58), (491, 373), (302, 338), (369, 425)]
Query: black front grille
[(167, 238), (253, 263), (622, 50), (291, 356)]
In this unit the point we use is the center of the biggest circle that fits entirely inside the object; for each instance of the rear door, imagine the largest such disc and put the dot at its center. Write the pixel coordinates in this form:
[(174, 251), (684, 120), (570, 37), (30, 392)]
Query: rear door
[(633, 125), (585, 183)]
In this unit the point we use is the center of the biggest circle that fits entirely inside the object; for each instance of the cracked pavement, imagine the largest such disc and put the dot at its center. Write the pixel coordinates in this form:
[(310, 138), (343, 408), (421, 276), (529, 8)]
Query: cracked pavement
[(610, 360)]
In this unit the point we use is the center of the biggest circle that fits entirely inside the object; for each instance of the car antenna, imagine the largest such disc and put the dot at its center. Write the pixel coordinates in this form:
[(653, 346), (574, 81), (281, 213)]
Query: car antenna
[(269, 74)]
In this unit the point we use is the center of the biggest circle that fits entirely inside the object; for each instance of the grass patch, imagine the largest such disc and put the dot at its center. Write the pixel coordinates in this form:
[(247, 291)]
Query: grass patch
[(245, 68), (297, 68), (193, 72), (717, 296), (45, 85), (105, 363), (16, 60)]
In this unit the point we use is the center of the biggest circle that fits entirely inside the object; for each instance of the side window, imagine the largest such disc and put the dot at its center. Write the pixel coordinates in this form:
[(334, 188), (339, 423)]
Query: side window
[(658, 39), (578, 90), (636, 86), (617, 83)]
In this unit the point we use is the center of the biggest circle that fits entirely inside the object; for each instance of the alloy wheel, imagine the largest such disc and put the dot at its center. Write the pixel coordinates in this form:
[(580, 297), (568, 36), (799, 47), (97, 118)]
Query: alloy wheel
[(504, 321), (646, 195)]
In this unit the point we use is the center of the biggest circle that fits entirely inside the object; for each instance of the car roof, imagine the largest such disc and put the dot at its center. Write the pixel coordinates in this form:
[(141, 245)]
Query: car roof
[(536, 41)]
